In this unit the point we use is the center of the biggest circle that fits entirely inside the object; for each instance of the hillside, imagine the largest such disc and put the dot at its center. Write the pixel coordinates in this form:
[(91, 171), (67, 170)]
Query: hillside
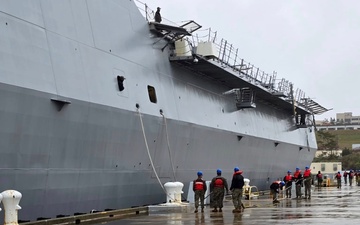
[(345, 138)]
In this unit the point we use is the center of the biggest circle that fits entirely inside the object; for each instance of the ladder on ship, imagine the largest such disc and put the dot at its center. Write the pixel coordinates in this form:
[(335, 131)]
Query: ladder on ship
[(173, 33)]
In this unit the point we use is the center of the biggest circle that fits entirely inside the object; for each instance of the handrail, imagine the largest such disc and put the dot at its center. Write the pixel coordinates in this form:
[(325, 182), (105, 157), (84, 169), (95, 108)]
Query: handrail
[(228, 57)]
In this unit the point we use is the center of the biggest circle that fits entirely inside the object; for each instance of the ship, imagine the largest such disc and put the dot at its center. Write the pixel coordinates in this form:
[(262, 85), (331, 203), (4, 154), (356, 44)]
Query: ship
[(100, 106)]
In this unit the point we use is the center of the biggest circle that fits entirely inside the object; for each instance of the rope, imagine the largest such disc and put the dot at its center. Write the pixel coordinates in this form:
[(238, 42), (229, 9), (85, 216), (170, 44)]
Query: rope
[(307, 139), (148, 152), (168, 145)]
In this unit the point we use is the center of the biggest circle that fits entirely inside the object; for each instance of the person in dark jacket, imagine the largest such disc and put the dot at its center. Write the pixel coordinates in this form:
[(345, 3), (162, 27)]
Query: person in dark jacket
[(158, 15), (199, 188), (275, 188), (236, 188), (218, 186)]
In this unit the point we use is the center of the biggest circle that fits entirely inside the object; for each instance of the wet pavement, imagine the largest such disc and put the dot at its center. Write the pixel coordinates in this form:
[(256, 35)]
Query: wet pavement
[(328, 205)]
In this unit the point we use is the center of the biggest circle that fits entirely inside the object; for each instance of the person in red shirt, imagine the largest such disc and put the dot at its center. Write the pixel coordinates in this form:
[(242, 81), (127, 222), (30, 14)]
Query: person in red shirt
[(338, 178), (199, 188), (319, 179), (351, 177), (275, 189), (307, 182), (218, 186), (298, 182), (345, 176), (288, 179)]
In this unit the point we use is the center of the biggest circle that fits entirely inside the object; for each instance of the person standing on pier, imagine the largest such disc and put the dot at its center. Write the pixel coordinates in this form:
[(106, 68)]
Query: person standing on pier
[(288, 179), (307, 182), (345, 177), (298, 182), (319, 179), (236, 189), (218, 186), (338, 178), (275, 189), (199, 188), (351, 177)]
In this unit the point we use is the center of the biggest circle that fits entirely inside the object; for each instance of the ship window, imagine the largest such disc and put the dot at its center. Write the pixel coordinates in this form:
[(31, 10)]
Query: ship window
[(152, 94), (120, 81)]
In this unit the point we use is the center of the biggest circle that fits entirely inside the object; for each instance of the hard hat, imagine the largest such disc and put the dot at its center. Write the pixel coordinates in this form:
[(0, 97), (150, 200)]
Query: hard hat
[(289, 171), (306, 167), (199, 173), (297, 168), (236, 169), (282, 183), (218, 171)]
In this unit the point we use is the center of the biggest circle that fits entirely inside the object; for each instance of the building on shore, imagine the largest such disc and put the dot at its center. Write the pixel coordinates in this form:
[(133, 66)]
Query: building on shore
[(326, 168), (343, 119)]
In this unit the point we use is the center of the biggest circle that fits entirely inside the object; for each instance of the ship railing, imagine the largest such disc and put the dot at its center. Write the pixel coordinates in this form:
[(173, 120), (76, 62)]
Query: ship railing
[(228, 56)]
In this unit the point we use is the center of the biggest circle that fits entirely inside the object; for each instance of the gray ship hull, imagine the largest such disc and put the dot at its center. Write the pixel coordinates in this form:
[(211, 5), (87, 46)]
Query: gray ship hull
[(72, 142)]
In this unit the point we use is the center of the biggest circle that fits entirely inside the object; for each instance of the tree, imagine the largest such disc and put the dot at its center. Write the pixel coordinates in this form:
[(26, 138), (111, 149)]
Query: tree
[(351, 161), (326, 140), (346, 152)]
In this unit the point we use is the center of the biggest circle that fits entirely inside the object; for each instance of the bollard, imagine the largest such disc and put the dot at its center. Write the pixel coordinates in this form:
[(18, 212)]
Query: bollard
[(170, 188), (246, 188), (11, 199), (1, 198), (178, 191)]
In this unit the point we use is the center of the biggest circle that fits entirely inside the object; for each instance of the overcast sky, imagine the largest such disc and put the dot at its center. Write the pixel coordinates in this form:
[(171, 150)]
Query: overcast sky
[(315, 44)]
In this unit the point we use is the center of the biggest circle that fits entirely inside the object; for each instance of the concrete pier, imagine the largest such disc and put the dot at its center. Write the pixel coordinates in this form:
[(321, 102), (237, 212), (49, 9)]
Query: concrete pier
[(326, 206)]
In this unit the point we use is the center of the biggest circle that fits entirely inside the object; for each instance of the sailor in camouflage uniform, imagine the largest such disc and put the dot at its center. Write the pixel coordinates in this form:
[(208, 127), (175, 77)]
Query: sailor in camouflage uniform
[(199, 188), (218, 186), (236, 188)]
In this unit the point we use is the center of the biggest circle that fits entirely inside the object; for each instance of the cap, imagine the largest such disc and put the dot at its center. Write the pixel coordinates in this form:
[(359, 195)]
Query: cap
[(218, 171), (289, 171), (297, 168), (236, 169), (158, 8), (199, 173), (306, 167), (282, 183)]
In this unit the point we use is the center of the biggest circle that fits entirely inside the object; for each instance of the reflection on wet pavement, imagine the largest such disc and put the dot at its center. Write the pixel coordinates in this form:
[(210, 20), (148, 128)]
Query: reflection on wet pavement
[(326, 206)]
